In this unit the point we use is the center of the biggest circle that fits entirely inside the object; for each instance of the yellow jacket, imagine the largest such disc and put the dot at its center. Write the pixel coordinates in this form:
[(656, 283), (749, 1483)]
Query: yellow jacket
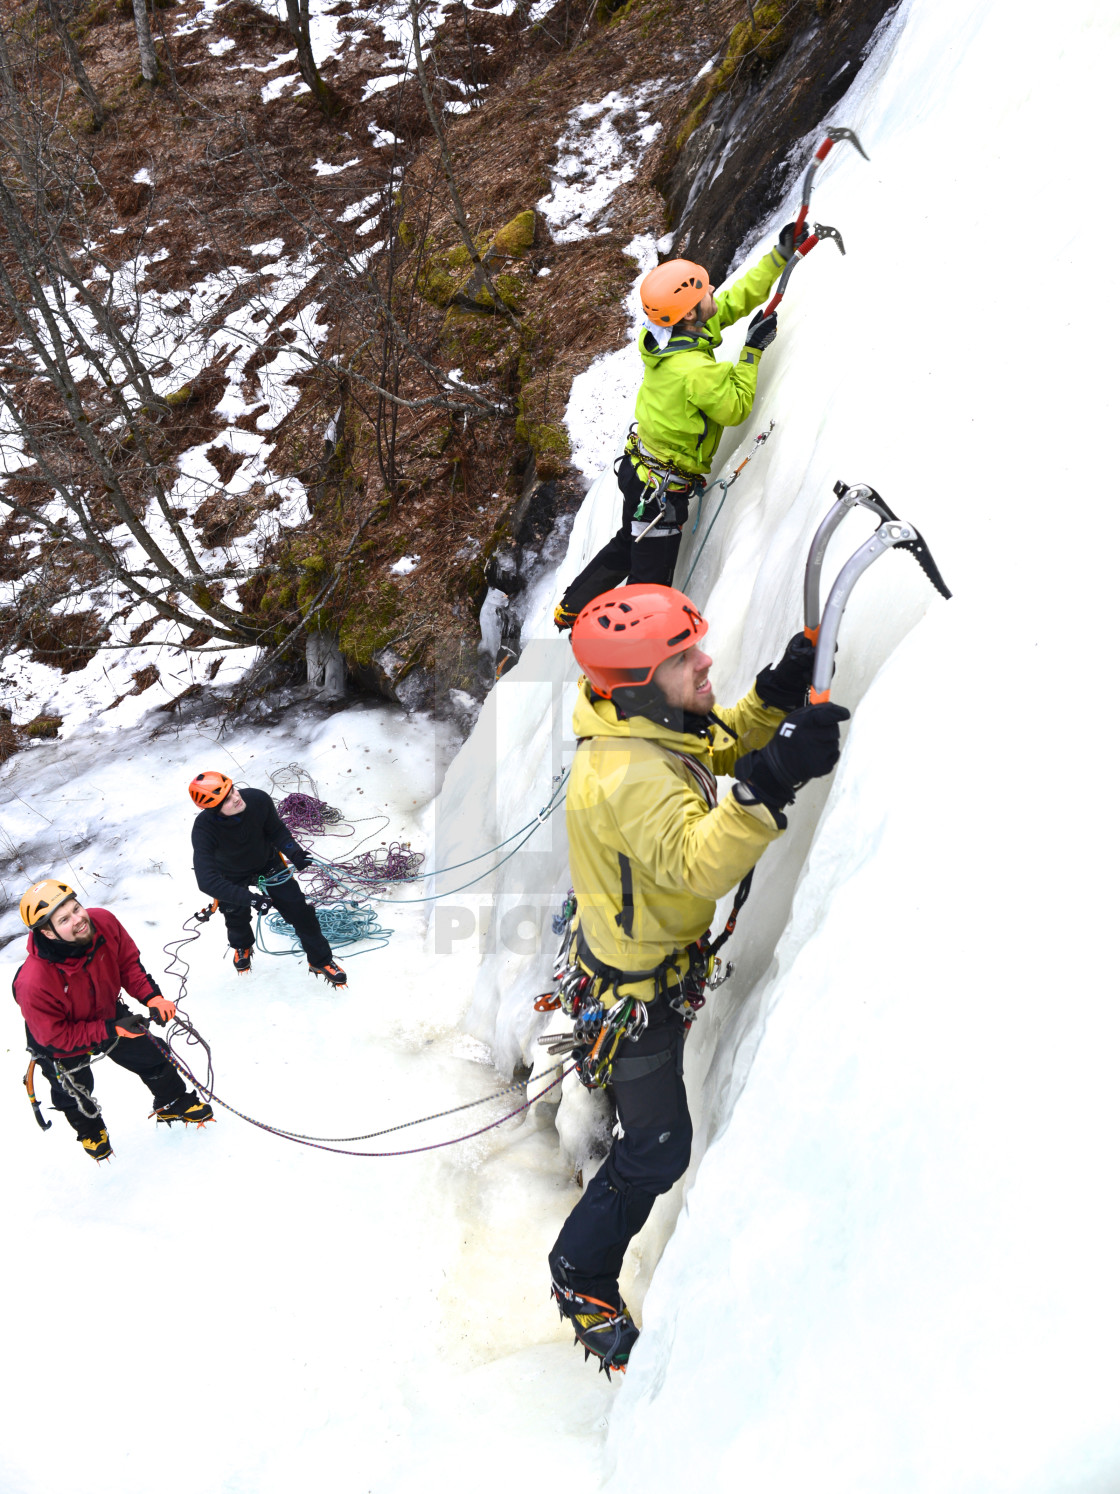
[(650, 849)]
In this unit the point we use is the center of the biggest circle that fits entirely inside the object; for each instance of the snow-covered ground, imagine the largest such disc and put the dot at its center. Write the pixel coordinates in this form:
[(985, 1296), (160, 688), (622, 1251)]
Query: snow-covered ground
[(895, 1264), (232, 1311)]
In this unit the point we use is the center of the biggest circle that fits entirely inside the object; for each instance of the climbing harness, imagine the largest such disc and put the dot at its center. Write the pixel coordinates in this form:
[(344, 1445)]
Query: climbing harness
[(724, 482), (580, 979), (823, 629), (669, 479), (821, 231)]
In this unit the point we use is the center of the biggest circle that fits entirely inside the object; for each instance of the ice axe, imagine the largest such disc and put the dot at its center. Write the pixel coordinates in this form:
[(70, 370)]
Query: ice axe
[(823, 629), (820, 230), (29, 1086)]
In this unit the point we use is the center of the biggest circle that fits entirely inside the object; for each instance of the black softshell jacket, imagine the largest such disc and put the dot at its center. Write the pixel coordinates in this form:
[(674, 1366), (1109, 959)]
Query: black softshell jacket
[(232, 850)]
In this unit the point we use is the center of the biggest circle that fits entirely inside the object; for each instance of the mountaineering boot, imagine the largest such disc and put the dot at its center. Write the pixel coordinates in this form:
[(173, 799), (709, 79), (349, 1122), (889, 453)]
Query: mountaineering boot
[(243, 960), (96, 1144), (187, 1108), (609, 1333), (564, 617), (333, 974)]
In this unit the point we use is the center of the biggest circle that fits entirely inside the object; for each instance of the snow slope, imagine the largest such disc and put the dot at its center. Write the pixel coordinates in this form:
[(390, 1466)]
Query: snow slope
[(226, 1313)]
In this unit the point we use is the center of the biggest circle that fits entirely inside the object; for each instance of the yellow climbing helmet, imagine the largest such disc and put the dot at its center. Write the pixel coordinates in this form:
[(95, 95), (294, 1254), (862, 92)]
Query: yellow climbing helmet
[(44, 898)]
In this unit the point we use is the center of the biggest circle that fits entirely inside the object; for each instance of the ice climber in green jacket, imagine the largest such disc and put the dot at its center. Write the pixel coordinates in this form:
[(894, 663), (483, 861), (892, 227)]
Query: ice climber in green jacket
[(686, 399)]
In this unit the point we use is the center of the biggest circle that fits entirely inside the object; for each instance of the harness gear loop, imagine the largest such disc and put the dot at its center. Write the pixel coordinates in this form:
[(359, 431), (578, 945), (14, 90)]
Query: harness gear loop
[(78, 1092)]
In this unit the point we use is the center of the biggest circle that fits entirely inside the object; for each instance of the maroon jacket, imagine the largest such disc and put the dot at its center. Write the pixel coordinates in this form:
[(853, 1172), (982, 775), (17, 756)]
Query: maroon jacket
[(69, 1004)]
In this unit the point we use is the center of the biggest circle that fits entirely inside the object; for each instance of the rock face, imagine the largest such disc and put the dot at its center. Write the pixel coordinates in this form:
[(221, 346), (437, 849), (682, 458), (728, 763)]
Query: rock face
[(733, 168), (326, 668)]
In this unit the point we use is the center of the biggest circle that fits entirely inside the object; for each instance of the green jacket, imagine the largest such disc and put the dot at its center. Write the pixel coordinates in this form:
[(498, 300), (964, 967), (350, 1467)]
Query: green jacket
[(687, 397), (649, 855)]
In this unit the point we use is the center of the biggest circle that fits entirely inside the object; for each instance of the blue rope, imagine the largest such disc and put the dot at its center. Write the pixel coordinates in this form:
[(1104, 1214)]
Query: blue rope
[(343, 925)]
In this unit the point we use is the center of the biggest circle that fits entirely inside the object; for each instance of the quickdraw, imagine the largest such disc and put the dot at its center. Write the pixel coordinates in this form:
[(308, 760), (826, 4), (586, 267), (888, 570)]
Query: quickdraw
[(724, 483), (823, 628), (821, 231)]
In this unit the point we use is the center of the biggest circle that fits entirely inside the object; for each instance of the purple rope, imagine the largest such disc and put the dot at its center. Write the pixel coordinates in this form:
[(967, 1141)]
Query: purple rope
[(433, 1146), (306, 816)]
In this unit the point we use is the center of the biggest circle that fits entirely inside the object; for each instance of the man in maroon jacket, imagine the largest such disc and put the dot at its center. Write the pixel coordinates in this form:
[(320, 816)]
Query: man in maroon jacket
[(68, 989)]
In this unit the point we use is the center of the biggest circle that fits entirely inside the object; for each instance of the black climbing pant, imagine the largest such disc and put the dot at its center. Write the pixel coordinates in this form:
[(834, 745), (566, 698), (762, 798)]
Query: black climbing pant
[(146, 1057), (652, 558), (288, 900), (649, 1154)]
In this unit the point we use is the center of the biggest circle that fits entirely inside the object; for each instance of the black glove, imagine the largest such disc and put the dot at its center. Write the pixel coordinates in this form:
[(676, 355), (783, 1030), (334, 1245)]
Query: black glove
[(806, 745), (783, 685), (762, 331), (786, 241), (259, 903), (130, 1022), (299, 858)]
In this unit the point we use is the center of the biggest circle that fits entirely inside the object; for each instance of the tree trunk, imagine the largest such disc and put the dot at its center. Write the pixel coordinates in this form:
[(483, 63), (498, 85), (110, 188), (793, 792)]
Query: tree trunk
[(69, 46), (149, 63), (299, 24)]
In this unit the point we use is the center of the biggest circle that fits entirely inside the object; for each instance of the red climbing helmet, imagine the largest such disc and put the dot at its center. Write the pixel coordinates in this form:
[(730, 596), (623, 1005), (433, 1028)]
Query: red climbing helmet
[(622, 636), (209, 789), (673, 289)]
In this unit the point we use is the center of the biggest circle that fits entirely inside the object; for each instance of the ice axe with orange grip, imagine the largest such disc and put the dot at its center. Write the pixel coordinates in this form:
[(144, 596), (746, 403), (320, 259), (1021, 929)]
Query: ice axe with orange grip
[(820, 230), (29, 1086), (823, 628)]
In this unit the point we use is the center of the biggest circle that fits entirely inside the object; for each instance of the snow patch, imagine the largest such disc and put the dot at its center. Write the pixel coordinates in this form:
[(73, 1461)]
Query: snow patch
[(595, 159)]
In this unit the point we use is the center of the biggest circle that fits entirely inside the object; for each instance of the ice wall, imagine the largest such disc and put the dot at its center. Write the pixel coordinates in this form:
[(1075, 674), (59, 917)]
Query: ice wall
[(896, 1264)]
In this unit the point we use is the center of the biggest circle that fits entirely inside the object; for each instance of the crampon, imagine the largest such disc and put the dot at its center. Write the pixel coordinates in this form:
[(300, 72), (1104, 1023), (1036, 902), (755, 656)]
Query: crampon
[(187, 1108), (609, 1333), (333, 974)]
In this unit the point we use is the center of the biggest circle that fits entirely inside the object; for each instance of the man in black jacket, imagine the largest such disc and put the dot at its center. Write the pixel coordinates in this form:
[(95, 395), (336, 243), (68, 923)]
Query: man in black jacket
[(237, 839)]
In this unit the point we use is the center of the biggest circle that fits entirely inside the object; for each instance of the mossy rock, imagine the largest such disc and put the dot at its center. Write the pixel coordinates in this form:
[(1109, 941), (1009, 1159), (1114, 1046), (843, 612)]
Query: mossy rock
[(436, 284), (516, 237), (765, 38), (470, 340), (179, 397), (42, 726), (509, 288), (370, 627)]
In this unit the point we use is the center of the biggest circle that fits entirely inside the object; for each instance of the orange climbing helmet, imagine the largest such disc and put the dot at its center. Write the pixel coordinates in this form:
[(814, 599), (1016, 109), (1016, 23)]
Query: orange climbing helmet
[(622, 636), (40, 901), (672, 289), (209, 789)]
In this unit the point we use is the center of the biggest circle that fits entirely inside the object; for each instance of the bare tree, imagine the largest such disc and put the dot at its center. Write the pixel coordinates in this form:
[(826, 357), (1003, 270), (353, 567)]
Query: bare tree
[(299, 24), (69, 46), (482, 274), (149, 63), (90, 470)]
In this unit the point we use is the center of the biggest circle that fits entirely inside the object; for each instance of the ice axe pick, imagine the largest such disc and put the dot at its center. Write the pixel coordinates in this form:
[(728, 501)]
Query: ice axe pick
[(823, 629)]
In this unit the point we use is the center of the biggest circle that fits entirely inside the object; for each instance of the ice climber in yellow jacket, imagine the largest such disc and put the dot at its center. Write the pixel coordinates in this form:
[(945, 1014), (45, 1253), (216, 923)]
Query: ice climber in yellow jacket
[(686, 399), (652, 847)]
